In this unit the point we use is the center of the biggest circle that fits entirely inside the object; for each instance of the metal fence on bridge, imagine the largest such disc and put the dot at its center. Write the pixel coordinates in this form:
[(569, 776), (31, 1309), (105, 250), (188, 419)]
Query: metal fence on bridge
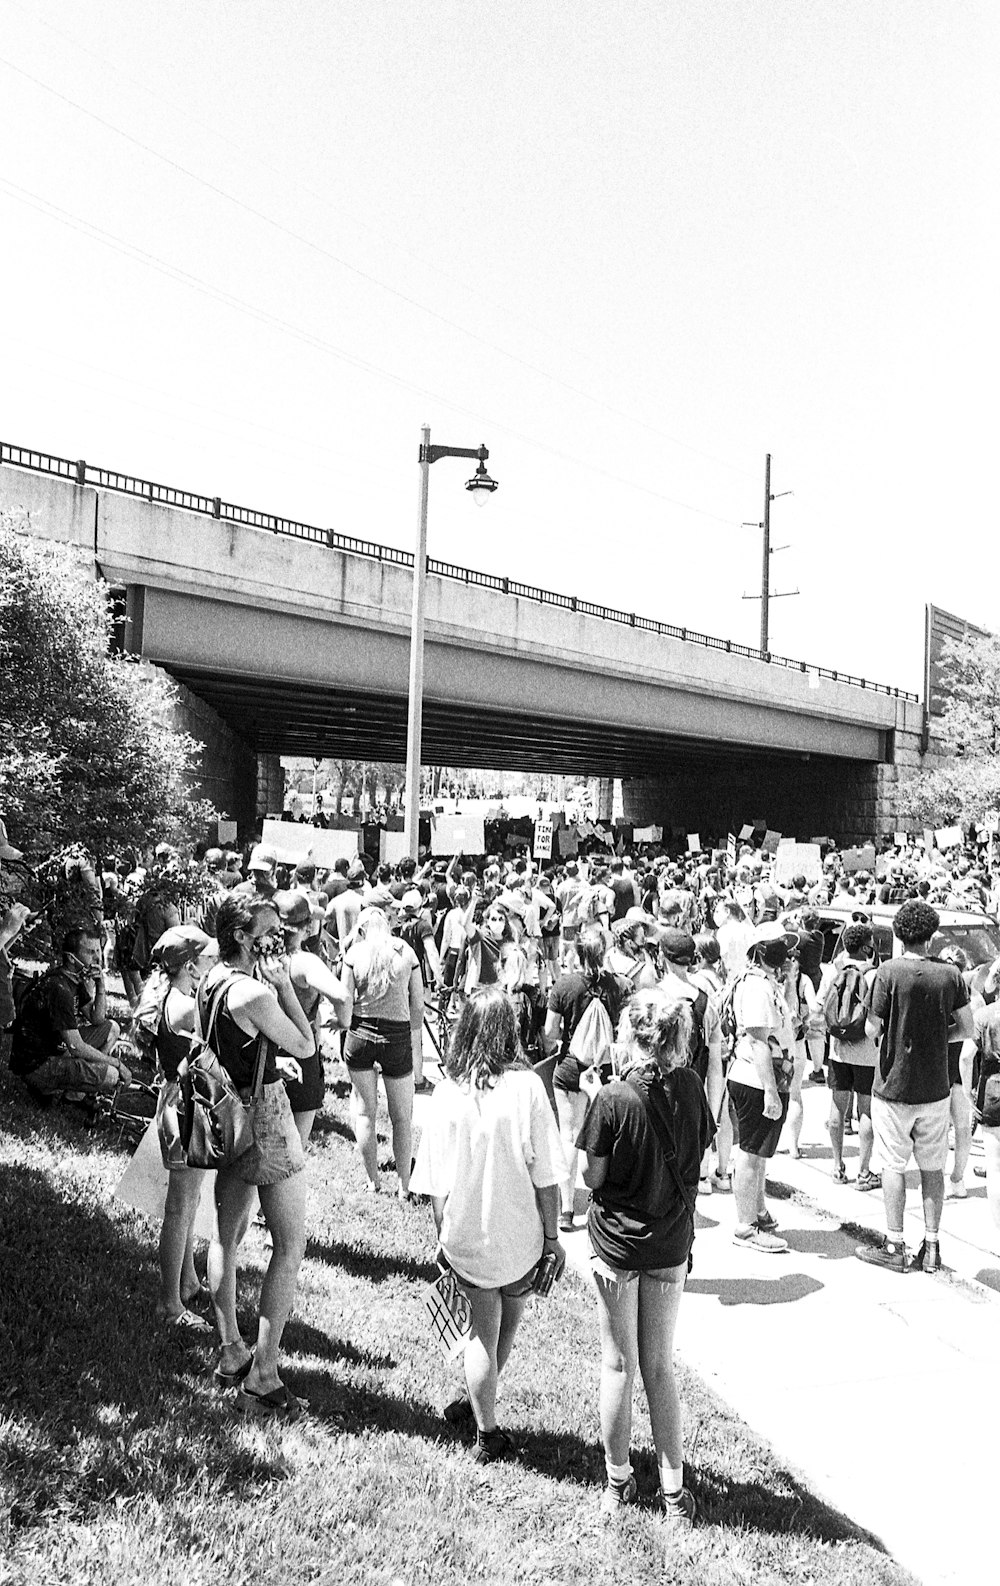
[(84, 473)]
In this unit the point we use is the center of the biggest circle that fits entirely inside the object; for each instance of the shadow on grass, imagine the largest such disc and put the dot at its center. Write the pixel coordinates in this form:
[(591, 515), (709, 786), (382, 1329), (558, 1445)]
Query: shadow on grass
[(300, 1338), (783, 1290), (102, 1402), (361, 1261), (326, 1123)]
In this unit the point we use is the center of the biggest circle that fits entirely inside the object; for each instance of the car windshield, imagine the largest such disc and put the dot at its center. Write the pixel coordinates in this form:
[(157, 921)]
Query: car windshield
[(980, 943)]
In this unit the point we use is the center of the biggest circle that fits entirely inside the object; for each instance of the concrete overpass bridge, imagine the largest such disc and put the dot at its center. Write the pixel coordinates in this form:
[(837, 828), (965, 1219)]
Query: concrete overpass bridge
[(291, 639)]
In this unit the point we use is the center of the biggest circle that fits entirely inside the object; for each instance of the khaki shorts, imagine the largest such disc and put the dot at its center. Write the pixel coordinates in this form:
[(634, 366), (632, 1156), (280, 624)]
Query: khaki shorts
[(919, 1129)]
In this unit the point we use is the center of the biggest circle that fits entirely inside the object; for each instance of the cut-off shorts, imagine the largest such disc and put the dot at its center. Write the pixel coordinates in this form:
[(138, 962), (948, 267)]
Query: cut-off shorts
[(619, 1278), (919, 1129), (277, 1151), (383, 1041), (510, 1291)]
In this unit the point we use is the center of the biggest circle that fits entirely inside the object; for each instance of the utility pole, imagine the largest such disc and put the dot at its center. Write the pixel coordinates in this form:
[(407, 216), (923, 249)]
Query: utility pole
[(765, 597)]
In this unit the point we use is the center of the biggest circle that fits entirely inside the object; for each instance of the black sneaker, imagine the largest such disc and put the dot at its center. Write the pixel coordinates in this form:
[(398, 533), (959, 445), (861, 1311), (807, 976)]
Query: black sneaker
[(890, 1256), (679, 1509), (927, 1258), (493, 1445)]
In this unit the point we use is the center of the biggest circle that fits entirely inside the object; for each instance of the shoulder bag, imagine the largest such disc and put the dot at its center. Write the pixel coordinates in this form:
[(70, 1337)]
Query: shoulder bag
[(201, 1119)]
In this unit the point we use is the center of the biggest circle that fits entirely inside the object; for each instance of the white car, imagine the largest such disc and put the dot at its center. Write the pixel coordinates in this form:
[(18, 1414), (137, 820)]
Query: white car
[(978, 935)]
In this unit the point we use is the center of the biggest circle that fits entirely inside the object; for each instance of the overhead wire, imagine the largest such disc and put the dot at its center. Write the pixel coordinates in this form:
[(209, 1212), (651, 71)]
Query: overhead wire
[(310, 338), (366, 276)]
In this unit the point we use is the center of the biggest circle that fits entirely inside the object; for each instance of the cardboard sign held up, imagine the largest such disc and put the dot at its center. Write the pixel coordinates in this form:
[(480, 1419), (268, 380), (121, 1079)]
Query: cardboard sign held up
[(928, 839), (543, 840), (694, 843), (457, 834), (392, 847), (731, 849), (949, 837), (855, 859), (770, 843), (227, 834), (295, 842), (746, 832), (900, 839), (798, 859)]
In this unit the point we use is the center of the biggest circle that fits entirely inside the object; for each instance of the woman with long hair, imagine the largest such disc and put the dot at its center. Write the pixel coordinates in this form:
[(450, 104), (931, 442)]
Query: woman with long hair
[(645, 1136), (569, 1000), (384, 1015), (164, 1020), (490, 1159), (312, 981), (250, 1005)]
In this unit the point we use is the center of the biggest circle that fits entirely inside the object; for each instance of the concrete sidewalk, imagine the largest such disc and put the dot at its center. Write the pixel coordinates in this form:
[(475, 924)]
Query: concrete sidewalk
[(869, 1383)]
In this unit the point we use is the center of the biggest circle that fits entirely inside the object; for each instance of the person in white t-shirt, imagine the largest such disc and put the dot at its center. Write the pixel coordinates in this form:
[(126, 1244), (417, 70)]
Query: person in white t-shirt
[(852, 1062), (735, 934), (491, 1160)]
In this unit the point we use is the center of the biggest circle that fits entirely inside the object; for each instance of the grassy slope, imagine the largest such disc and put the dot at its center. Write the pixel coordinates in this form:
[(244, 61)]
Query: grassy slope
[(119, 1461)]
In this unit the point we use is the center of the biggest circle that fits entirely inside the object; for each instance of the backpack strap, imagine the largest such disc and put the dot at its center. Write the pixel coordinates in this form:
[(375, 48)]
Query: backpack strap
[(214, 1002), (668, 1147)]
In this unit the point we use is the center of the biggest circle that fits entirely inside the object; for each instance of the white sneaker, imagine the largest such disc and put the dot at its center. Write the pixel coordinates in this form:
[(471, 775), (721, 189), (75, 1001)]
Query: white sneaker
[(955, 1190), (705, 1185)]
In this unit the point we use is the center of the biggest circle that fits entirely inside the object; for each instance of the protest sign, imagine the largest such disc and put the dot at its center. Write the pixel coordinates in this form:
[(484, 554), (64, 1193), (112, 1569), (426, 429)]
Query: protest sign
[(928, 839), (694, 843), (392, 847), (731, 849), (770, 843), (143, 1186), (862, 858), (798, 859), (900, 839), (543, 840), (949, 837), (746, 832), (457, 834), (227, 834), (296, 843)]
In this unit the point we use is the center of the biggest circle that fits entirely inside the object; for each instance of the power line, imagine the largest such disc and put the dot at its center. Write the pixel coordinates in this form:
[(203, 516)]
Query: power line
[(345, 264), (320, 344)]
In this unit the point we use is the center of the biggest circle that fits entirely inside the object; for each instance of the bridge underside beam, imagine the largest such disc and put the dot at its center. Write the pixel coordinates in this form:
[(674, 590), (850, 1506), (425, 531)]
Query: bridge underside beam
[(279, 717)]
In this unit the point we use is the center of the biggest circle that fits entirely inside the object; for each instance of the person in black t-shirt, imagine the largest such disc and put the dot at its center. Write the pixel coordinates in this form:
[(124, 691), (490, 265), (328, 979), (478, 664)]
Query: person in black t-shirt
[(645, 1136)]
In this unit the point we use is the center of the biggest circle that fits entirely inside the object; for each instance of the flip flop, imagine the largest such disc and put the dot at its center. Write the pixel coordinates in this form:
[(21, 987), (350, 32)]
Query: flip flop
[(280, 1403), (188, 1322), (232, 1379)]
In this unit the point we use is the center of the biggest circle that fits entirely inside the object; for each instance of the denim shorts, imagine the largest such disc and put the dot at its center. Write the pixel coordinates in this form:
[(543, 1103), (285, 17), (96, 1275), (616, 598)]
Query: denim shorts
[(277, 1151), (619, 1278), (510, 1291), (386, 1042)]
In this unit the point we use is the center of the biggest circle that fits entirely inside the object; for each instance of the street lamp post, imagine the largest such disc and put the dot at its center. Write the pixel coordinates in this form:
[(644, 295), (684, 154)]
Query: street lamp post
[(480, 486)]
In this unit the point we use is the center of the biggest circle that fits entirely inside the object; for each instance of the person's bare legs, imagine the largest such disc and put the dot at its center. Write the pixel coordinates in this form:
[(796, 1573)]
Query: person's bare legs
[(177, 1275), (724, 1142), (932, 1192), (233, 1203), (991, 1153), (659, 1303), (303, 1123), (571, 1109), (495, 1320), (894, 1197), (961, 1118), (618, 1315), (796, 1111), (364, 1099), (399, 1096), (748, 1187), (840, 1100), (284, 1208), (866, 1135)]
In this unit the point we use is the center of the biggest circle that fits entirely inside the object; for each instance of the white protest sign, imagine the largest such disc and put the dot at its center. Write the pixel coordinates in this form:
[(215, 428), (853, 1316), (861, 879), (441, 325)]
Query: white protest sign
[(457, 834), (543, 840), (798, 859), (949, 837), (900, 839), (295, 842), (694, 843), (731, 849), (770, 843), (227, 834), (991, 821), (392, 847), (143, 1186)]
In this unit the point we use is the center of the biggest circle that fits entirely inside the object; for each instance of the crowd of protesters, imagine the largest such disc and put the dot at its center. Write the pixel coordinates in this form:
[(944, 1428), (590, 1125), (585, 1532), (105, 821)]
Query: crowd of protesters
[(657, 1015)]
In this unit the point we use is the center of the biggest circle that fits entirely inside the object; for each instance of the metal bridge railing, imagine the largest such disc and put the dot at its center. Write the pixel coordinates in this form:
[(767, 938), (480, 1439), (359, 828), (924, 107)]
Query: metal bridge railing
[(84, 473)]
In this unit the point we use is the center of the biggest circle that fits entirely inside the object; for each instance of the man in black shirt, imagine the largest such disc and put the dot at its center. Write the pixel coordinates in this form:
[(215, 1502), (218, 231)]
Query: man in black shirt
[(63, 1039), (918, 1005)]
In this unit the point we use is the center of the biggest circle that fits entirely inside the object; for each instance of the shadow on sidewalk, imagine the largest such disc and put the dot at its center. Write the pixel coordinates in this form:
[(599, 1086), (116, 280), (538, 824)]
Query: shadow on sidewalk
[(782, 1290)]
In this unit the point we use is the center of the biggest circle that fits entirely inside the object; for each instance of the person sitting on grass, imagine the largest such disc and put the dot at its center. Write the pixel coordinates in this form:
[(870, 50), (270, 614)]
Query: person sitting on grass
[(645, 1137), (63, 1041), (491, 1161)]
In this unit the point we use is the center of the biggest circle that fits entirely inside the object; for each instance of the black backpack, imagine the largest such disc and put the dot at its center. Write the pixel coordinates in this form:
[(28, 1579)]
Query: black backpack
[(698, 1051), (31, 1036), (845, 1007)]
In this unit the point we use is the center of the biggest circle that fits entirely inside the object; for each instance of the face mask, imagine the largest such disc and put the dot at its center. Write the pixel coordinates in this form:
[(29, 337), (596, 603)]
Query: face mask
[(774, 955), (266, 946)]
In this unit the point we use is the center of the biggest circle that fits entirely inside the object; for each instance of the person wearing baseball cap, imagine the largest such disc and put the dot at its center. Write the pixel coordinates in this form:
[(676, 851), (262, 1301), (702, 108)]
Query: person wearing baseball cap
[(311, 981), (262, 882), (760, 1080)]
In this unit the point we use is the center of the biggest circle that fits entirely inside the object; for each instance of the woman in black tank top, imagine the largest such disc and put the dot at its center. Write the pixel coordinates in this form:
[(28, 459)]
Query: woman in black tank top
[(258, 1013)]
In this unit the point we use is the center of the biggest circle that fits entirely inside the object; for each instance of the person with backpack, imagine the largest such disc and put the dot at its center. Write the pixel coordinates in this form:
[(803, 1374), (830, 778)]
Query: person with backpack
[(574, 995), (677, 955), (645, 1136), (852, 1052), (163, 1027), (63, 1040)]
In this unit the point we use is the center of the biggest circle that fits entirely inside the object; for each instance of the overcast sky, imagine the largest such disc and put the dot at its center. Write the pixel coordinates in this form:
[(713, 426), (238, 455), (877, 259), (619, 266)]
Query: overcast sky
[(632, 247)]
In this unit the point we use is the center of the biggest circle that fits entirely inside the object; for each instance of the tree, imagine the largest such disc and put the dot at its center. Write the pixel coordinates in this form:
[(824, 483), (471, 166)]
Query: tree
[(88, 753), (968, 783)]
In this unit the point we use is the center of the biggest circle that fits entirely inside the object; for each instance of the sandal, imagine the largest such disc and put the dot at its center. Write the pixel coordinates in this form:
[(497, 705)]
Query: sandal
[(232, 1379), (187, 1321), (840, 1175), (280, 1402)]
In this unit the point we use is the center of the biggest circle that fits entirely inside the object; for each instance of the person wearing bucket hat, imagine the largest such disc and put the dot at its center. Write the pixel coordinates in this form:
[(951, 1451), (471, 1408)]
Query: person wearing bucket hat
[(311, 981), (164, 1023), (760, 1080)]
